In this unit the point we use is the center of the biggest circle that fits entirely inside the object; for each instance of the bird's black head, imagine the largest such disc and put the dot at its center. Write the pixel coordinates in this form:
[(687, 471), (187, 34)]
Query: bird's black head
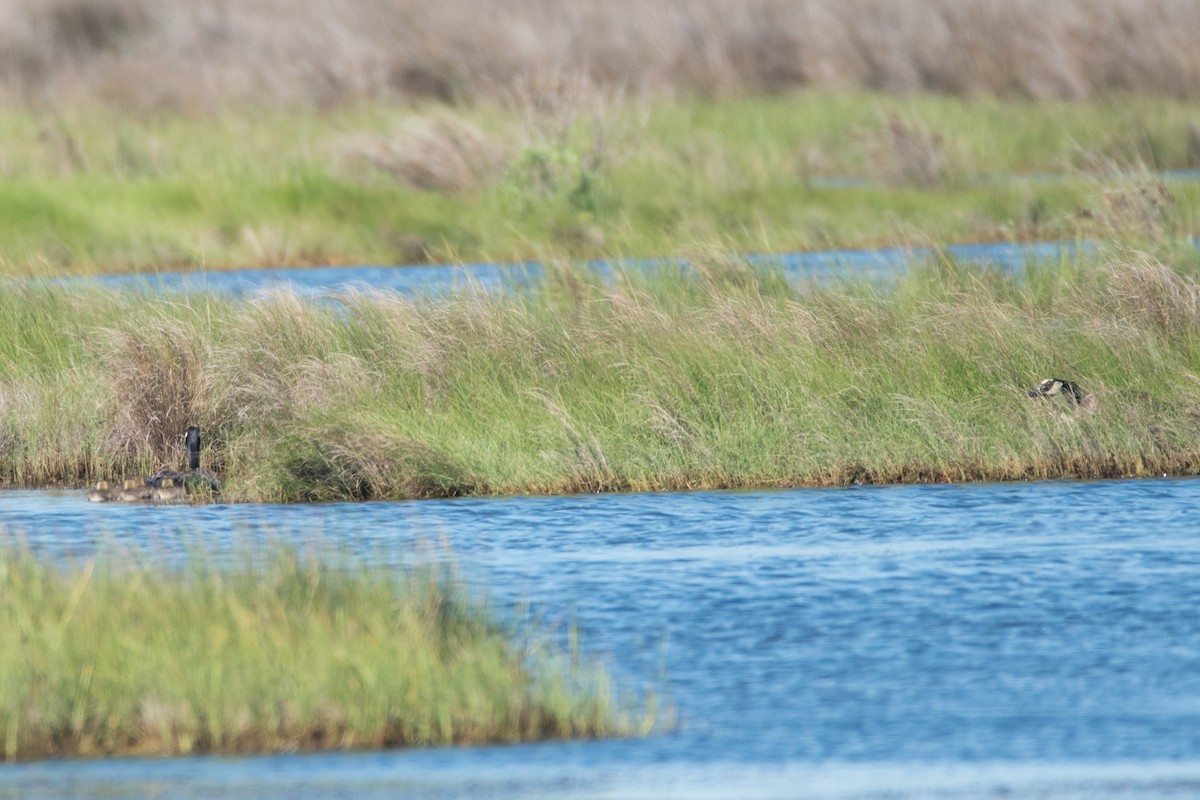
[(192, 438)]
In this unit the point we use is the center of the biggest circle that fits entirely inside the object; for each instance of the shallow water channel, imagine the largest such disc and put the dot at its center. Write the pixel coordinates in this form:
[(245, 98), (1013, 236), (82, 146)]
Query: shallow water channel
[(1016, 640), (438, 279)]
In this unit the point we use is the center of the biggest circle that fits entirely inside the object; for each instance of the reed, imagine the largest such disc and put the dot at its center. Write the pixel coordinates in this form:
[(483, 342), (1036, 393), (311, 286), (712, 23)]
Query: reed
[(723, 375), (125, 655), (208, 54)]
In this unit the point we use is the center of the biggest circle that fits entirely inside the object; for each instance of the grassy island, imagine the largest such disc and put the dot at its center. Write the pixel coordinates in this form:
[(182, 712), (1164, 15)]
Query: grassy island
[(119, 656), (721, 375)]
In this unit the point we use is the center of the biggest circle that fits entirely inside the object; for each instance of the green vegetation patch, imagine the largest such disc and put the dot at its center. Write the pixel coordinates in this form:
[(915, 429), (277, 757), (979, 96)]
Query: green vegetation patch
[(120, 655), (723, 374), (577, 172)]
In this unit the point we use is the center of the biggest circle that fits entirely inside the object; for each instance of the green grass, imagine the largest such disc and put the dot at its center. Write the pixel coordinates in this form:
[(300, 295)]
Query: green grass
[(86, 192), (727, 377), (120, 655)]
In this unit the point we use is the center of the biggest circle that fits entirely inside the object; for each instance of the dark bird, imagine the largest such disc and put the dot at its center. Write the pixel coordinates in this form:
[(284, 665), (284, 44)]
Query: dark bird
[(196, 478), (1052, 387), (167, 485)]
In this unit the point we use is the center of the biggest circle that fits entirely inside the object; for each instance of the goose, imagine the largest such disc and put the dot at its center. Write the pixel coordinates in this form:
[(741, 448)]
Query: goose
[(196, 478), (101, 493), (1052, 387)]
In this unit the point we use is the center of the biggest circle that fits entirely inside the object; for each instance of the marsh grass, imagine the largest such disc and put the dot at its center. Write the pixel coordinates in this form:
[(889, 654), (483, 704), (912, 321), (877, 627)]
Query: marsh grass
[(722, 375), (443, 152), (125, 655), (196, 56), (566, 167), (1130, 201)]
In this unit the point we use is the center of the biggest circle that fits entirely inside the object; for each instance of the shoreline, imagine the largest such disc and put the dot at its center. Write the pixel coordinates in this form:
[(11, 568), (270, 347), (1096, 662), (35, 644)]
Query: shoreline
[(1133, 468)]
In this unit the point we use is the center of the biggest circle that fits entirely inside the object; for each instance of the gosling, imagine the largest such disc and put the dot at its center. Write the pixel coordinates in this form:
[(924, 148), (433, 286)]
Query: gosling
[(101, 493), (168, 492), (134, 492)]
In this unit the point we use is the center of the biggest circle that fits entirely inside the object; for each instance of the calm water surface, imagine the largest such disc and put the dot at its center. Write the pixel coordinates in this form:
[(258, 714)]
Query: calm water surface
[(1024, 640), (442, 278)]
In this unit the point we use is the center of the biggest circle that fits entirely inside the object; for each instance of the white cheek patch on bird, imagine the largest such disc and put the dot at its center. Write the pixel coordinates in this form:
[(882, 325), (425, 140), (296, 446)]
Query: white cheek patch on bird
[(1053, 387), (167, 485)]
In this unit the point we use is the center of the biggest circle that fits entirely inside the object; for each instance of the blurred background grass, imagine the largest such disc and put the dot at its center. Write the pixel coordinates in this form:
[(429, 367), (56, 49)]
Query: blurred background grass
[(196, 56), (141, 135), (98, 190)]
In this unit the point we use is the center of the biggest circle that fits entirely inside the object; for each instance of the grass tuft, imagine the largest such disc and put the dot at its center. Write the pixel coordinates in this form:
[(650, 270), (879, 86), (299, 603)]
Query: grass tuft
[(440, 152), (120, 655), (359, 459)]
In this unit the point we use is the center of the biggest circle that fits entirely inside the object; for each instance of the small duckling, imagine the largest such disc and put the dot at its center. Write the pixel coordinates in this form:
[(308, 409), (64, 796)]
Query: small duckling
[(134, 492), (166, 485), (1052, 387), (100, 494), (169, 492)]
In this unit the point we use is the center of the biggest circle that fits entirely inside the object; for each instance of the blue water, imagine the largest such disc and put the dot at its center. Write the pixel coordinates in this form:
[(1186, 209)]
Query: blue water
[(848, 181), (441, 279), (874, 264), (1015, 640)]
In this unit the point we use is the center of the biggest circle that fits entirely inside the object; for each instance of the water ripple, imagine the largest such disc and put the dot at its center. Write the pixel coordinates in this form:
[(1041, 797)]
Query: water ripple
[(1024, 640)]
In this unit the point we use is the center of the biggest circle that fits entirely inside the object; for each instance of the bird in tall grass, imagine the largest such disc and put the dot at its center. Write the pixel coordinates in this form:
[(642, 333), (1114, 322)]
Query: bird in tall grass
[(167, 485), (1053, 387), (196, 478)]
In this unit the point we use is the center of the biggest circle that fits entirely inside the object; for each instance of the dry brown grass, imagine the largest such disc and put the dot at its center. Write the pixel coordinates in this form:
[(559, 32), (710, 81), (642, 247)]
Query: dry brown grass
[(909, 153), (195, 55), (441, 151), (554, 114), (1146, 290), (1131, 201), (154, 366)]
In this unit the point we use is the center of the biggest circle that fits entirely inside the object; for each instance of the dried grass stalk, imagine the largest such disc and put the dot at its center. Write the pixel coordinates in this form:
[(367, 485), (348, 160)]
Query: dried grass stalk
[(210, 52), (441, 152)]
